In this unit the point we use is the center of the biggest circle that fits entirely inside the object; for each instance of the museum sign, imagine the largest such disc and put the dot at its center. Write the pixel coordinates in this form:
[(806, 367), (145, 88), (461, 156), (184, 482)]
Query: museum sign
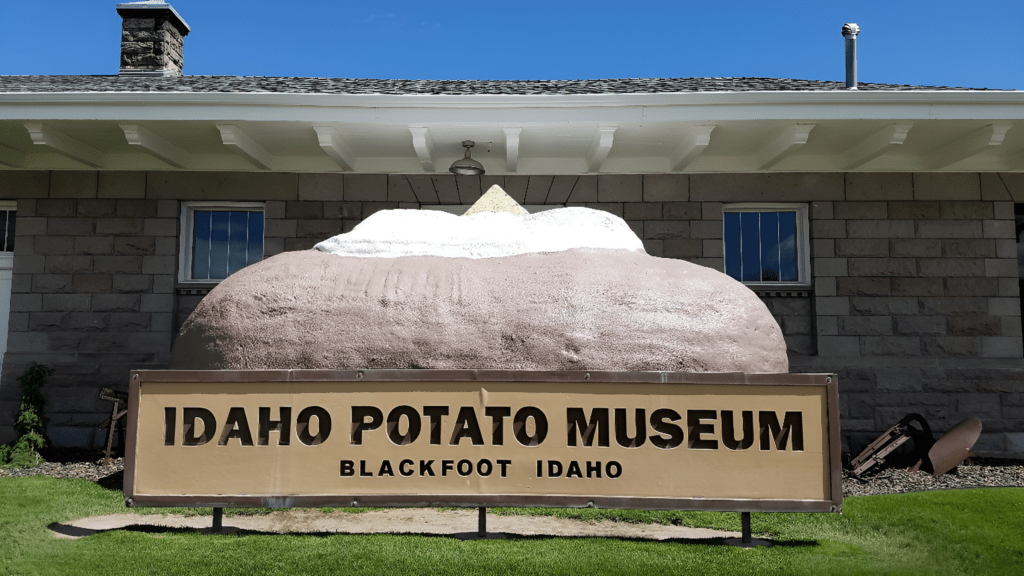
[(655, 440)]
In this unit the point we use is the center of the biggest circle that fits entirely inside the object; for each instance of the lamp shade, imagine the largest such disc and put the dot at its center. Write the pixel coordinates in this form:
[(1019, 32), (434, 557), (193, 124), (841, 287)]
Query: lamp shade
[(467, 166)]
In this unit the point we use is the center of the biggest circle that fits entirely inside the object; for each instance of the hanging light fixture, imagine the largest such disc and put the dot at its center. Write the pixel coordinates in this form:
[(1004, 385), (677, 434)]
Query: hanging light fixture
[(467, 166)]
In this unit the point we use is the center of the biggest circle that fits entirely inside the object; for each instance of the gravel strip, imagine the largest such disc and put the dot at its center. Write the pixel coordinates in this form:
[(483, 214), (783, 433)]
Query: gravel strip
[(886, 481), (898, 480), (82, 470)]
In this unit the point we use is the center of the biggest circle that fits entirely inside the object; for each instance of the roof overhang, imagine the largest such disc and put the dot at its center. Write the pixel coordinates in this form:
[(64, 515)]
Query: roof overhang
[(529, 134)]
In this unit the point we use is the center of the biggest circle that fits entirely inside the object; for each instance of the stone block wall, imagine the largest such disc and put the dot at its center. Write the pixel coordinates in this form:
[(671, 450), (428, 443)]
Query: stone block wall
[(930, 270), (914, 303), (917, 304), (92, 295), (795, 315)]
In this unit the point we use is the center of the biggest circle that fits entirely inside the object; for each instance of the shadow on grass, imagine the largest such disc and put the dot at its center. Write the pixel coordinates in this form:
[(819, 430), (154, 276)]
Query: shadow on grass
[(75, 532), (700, 541), (113, 481)]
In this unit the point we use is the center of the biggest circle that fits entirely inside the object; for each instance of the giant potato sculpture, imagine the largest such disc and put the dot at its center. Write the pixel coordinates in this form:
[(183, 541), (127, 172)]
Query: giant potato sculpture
[(567, 289)]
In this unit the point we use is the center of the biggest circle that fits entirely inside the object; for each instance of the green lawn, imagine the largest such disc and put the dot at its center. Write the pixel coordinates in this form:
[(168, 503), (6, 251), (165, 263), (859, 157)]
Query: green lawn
[(951, 532)]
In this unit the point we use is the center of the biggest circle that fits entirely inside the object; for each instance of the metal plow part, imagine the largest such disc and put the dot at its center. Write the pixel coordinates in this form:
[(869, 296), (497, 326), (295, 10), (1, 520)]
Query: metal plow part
[(878, 451), (954, 447), (931, 456)]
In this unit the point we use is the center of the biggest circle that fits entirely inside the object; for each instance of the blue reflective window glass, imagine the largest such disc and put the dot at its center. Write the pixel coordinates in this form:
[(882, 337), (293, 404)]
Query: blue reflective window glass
[(254, 250), (750, 253), (761, 246), (732, 244), (219, 245), (201, 246), (238, 240), (224, 242), (787, 247), (770, 247)]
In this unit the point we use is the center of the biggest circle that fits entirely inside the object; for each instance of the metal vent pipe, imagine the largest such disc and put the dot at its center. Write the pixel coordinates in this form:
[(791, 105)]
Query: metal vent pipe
[(850, 32)]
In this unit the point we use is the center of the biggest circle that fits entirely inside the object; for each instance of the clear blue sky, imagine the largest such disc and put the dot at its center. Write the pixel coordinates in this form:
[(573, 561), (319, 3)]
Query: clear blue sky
[(968, 43)]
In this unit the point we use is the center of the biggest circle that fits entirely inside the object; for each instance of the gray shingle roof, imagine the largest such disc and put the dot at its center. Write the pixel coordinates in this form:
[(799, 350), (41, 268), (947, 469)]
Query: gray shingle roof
[(452, 87)]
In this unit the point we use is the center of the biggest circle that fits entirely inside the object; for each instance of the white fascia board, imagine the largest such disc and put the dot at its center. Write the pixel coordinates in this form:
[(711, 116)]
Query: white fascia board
[(517, 116), (942, 97), (485, 109)]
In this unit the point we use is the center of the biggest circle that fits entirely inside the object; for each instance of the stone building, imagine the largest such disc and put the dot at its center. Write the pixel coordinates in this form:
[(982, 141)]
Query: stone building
[(893, 261)]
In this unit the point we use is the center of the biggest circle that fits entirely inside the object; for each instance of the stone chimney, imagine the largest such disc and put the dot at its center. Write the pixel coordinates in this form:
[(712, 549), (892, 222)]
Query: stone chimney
[(152, 39)]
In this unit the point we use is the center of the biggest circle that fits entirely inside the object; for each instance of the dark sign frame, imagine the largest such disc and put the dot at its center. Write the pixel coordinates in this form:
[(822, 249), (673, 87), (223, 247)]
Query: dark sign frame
[(829, 381)]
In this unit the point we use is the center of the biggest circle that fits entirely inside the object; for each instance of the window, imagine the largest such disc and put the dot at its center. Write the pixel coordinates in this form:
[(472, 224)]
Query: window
[(766, 244), (8, 211), (8, 214), (218, 239)]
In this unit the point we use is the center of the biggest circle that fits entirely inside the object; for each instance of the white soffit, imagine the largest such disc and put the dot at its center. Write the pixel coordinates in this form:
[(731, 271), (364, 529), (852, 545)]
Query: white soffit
[(536, 134)]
